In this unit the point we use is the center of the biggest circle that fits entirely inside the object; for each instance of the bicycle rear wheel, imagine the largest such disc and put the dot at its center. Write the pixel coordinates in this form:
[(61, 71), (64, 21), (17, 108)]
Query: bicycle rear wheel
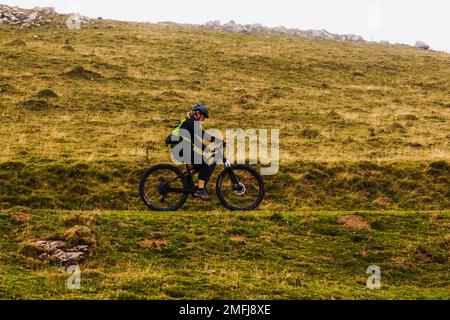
[(247, 196), (154, 184)]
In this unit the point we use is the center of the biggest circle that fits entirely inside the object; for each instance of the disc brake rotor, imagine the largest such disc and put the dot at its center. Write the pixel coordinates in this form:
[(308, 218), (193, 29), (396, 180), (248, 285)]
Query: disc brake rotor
[(241, 191)]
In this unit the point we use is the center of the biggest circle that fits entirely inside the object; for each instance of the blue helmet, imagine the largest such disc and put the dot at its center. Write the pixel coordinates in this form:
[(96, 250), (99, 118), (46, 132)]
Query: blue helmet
[(202, 109)]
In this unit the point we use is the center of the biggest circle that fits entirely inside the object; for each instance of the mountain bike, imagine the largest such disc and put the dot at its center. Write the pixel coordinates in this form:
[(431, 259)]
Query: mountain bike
[(165, 187)]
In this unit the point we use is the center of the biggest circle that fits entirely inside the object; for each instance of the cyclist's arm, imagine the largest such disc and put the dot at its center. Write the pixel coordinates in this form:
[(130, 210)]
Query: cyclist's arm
[(211, 138)]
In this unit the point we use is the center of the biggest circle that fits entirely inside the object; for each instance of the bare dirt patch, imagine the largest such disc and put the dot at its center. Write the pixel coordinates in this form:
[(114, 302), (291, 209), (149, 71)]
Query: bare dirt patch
[(159, 244), (354, 222), (266, 238), (21, 217), (238, 239)]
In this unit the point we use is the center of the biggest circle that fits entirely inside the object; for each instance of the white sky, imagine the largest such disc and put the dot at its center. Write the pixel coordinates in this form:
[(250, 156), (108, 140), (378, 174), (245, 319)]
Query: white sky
[(403, 21)]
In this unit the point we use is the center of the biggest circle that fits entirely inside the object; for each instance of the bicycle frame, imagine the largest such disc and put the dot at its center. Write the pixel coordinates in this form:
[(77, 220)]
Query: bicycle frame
[(192, 171)]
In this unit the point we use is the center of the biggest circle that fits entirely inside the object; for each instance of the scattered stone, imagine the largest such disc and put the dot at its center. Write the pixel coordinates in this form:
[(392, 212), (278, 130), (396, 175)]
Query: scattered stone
[(422, 45), (37, 37)]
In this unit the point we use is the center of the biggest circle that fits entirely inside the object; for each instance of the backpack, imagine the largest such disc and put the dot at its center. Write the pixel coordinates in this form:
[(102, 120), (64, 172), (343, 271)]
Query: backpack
[(170, 142)]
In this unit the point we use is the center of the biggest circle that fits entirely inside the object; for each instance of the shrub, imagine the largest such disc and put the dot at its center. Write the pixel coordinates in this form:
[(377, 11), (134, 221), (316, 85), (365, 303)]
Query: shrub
[(310, 133), (36, 105), (47, 93), (409, 117), (82, 73), (7, 89), (16, 43)]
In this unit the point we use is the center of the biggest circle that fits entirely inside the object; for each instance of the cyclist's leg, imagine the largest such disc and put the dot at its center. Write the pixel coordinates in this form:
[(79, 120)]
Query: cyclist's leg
[(204, 171)]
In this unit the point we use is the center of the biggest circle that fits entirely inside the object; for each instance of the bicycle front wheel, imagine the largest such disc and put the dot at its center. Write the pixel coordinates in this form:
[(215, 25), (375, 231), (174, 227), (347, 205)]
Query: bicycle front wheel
[(155, 185), (247, 196)]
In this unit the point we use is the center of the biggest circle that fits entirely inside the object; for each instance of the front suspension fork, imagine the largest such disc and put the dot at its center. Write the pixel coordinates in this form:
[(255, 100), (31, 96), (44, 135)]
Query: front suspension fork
[(231, 173)]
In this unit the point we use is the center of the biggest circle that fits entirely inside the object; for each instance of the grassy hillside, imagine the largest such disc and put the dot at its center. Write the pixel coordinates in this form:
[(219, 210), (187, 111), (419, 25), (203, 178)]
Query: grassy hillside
[(105, 100), (215, 255), (363, 127), (300, 186), (362, 101)]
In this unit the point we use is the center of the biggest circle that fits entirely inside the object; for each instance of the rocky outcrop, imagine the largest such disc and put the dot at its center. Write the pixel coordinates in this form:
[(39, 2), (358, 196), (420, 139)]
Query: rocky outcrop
[(26, 19), (260, 29), (422, 45), (29, 18)]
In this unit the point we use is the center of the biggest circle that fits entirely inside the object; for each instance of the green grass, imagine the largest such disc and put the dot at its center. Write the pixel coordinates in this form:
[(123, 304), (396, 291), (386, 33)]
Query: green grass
[(364, 127), (287, 255), (307, 186), (79, 126)]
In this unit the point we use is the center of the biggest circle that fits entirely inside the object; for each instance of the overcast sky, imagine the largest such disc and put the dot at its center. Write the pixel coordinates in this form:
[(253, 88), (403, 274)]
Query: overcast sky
[(403, 21)]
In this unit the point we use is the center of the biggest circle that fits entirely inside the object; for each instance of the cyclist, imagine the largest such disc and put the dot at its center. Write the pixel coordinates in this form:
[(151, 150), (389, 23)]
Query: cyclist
[(198, 114)]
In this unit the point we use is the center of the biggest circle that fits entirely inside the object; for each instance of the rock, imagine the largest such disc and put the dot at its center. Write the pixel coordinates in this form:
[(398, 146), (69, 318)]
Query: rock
[(70, 256), (422, 45), (49, 245), (215, 24), (27, 19), (33, 16), (232, 26), (45, 10), (353, 37), (56, 251), (281, 30), (26, 26), (257, 27)]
